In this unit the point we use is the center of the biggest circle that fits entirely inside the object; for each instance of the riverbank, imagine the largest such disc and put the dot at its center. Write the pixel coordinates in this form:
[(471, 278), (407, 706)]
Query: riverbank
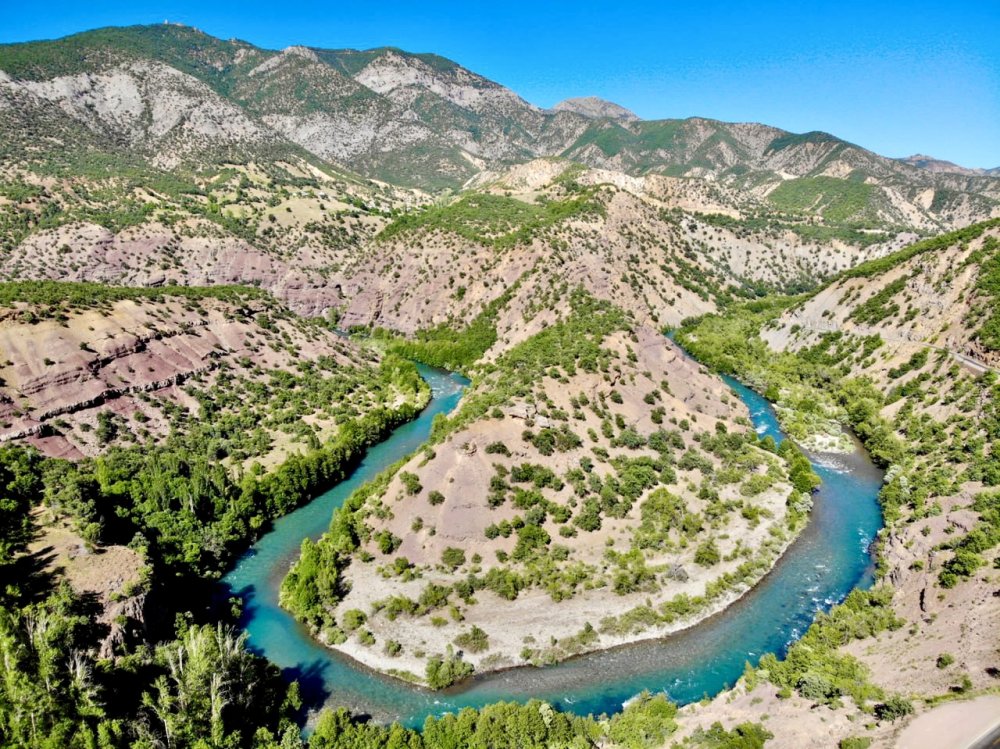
[(518, 629)]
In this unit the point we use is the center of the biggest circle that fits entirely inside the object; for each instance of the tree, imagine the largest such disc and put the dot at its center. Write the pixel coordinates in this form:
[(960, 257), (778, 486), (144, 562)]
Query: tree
[(443, 671), (212, 692), (20, 489)]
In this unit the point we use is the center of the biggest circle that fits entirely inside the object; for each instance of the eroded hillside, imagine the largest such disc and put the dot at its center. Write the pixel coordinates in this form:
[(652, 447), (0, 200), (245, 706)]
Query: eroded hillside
[(188, 413), (903, 350)]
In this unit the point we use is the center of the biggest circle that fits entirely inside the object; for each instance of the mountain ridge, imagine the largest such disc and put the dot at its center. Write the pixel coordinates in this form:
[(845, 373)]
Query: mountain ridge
[(436, 124)]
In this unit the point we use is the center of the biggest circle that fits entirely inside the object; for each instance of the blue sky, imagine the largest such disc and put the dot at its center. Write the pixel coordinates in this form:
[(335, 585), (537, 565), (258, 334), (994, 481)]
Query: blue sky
[(897, 78)]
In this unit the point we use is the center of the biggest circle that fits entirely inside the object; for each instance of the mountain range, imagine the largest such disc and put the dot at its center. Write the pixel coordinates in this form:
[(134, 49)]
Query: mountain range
[(173, 94)]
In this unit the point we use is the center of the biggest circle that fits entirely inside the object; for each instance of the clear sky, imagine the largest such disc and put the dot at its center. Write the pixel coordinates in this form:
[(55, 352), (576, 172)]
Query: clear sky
[(896, 77)]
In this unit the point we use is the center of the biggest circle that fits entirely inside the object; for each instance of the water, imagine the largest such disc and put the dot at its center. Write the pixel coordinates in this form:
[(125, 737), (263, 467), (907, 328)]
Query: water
[(829, 558)]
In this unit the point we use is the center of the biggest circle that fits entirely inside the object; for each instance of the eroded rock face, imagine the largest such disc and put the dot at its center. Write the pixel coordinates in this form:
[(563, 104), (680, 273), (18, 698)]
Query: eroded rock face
[(154, 255), (154, 106), (58, 376), (596, 108), (961, 622), (936, 308)]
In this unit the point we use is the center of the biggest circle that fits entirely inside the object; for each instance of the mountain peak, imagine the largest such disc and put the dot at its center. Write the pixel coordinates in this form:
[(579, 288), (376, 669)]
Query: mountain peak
[(596, 108), (923, 161), (300, 51)]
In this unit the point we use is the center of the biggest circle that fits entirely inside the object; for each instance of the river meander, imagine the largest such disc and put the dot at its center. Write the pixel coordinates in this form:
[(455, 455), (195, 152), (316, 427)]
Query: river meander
[(830, 557)]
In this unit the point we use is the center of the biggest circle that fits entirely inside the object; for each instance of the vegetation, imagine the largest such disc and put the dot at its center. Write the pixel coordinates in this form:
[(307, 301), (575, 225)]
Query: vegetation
[(647, 721), (837, 200), (743, 736), (936, 243), (988, 284), (191, 497), (495, 220), (202, 689), (931, 457), (443, 346), (810, 387), (183, 507), (816, 668), (68, 295)]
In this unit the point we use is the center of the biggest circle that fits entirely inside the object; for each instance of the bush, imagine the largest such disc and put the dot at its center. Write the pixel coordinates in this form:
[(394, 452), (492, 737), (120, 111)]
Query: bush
[(387, 541), (707, 554), (855, 742), (410, 482), (893, 708), (497, 448), (443, 671), (453, 558), (474, 641), (744, 736), (645, 721), (816, 687), (353, 618)]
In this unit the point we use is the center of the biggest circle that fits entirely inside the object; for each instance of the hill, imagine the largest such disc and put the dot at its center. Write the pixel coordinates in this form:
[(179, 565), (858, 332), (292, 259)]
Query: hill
[(159, 154), (903, 350), (596, 487)]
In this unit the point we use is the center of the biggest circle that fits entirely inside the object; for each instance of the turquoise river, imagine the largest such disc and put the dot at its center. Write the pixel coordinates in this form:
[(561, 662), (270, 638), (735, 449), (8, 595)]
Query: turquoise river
[(830, 557)]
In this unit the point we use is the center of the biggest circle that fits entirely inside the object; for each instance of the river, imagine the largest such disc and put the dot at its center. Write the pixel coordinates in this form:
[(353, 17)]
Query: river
[(830, 558)]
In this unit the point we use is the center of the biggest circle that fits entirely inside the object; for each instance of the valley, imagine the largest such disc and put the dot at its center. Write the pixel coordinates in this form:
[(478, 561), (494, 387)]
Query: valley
[(468, 404)]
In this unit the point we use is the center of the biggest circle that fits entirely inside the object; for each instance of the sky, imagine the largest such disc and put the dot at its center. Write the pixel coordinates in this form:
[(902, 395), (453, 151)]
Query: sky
[(895, 77)]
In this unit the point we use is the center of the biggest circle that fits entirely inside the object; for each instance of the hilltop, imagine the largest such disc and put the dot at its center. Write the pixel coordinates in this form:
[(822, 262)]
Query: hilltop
[(412, 119)]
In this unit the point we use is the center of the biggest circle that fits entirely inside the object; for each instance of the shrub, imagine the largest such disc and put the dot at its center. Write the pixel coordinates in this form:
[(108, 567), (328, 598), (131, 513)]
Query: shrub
[(353, 618), (497, 448), (387, 541), (443, 671), (474, 641), (410, 482), (893, 708), (816, 687), (743, 736), (707, 554), (452, 558), (855, 742)]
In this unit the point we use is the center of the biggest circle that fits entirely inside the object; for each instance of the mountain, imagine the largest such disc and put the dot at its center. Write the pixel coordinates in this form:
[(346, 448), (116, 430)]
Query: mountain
[(595, 108), (939, 165), (158, 154), (172, 92)]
